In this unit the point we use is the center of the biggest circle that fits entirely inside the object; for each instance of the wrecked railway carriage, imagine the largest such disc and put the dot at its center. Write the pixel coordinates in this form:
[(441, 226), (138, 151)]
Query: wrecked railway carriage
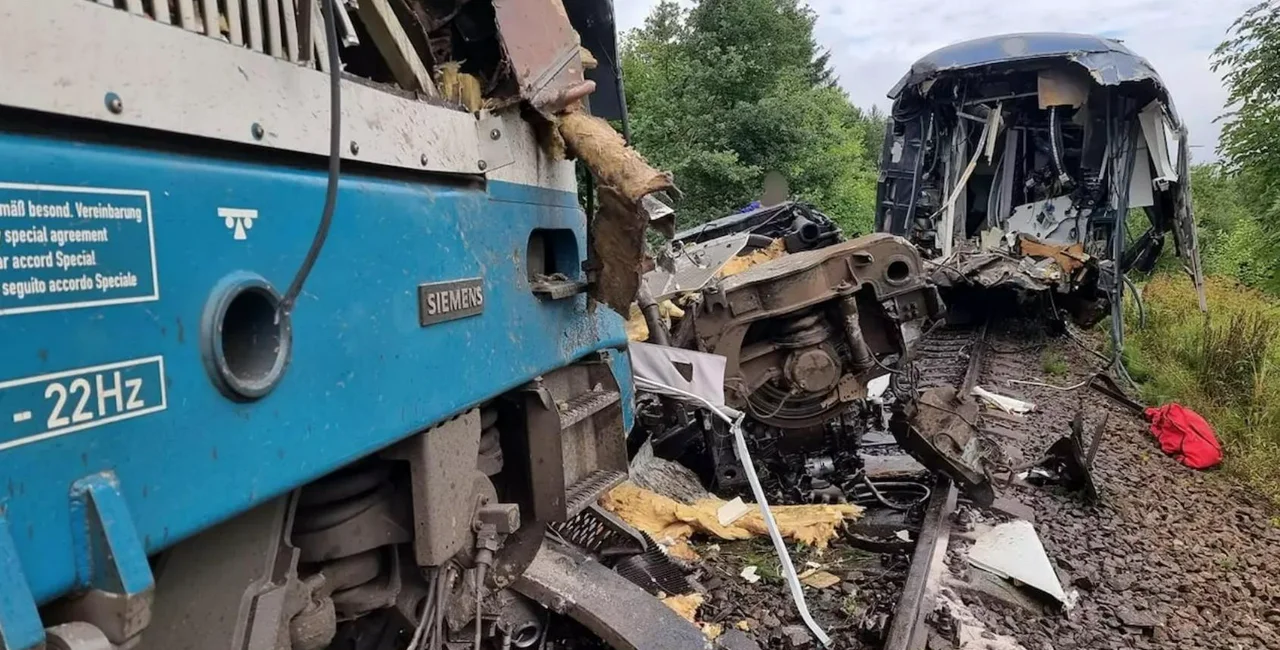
[(1013, 161)]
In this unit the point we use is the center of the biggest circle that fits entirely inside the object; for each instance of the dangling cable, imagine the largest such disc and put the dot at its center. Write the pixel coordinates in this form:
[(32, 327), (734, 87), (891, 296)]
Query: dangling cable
[(328, 7)]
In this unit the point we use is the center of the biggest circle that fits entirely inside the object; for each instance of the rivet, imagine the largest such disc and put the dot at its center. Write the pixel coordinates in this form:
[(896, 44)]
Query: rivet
[(495, 134), (355, 147), (423, 160), (114, 103), (257, 131), (483, 165)]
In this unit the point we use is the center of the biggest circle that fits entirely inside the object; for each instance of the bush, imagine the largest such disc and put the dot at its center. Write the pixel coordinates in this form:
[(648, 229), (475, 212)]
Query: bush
[(1221, 365)]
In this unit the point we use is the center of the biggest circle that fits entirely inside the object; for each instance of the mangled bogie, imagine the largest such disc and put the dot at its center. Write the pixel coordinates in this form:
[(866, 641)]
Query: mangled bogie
[(804, 334)]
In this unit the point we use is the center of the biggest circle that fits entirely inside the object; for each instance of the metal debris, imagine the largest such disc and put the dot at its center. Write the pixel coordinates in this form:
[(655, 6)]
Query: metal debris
[(1013, 551), (1003, 402)]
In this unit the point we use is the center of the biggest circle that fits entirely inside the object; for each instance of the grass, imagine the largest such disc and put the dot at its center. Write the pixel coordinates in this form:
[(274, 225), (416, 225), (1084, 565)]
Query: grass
[(1226, 366), (1054, 365)]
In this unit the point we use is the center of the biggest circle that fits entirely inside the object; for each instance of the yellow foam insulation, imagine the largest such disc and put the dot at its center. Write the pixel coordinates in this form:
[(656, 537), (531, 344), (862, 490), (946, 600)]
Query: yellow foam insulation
[(614, 163), (759, 256), (672, 522), (460, 87), (617, 230), (638, 329), (682, 550), (687, 607), (589, 61)]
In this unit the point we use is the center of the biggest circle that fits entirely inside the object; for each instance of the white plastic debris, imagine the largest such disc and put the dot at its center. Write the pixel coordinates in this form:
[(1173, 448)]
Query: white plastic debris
[(1013, 551), (1002, 402), (877, 387), (903, 535), (732, 511), (749, 574)]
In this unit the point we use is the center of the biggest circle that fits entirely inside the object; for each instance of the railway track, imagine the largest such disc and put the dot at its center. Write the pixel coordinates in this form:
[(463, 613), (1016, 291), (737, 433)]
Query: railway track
[(953, 356), (963, 357)]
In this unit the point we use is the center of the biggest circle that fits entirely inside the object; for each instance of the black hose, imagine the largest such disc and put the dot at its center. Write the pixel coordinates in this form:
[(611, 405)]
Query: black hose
[(1137, 299), (876, 493), (1055, 142), (335, 159)]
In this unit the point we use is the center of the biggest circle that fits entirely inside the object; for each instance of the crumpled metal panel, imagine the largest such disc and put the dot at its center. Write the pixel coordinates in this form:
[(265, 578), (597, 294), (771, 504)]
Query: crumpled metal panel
[(695, 266), (619, 612), (544, 51), (1108, 61)]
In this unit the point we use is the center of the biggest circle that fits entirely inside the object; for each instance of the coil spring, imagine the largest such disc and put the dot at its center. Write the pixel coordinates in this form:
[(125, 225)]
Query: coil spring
[(331, 502)]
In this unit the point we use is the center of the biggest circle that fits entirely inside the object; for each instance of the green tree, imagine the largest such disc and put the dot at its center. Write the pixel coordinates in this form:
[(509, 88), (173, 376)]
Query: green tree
[(1231, 240), (877, 122), (729, 90), (1249, 61)]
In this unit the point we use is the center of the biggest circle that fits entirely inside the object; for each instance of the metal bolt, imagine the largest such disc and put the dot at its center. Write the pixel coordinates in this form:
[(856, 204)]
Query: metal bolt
[(495, 134), (114, 103), (355, 147), (257, 131), (483, 165), (423, 160)]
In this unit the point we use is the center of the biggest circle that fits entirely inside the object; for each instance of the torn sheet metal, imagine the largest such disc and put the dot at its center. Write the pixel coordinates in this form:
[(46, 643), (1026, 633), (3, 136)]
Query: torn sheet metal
[(1032, 268), (619, 612), (936, 432), (1156, 132), (1141, 187), (1069, 462), (992, 270), (1013, 551), (1108, 61), (697, 373), (1054, 219), (544, 52), (694, 266)]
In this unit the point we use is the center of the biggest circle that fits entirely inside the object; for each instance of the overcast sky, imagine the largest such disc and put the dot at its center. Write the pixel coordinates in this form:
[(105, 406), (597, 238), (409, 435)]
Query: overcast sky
[(873, 42)]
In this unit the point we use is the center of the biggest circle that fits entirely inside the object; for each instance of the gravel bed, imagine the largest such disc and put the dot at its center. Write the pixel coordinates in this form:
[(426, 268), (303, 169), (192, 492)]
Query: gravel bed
[(1170, 558)]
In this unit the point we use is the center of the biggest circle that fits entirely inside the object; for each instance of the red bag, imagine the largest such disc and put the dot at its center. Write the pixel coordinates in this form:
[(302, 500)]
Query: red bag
[(1185, 435)]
